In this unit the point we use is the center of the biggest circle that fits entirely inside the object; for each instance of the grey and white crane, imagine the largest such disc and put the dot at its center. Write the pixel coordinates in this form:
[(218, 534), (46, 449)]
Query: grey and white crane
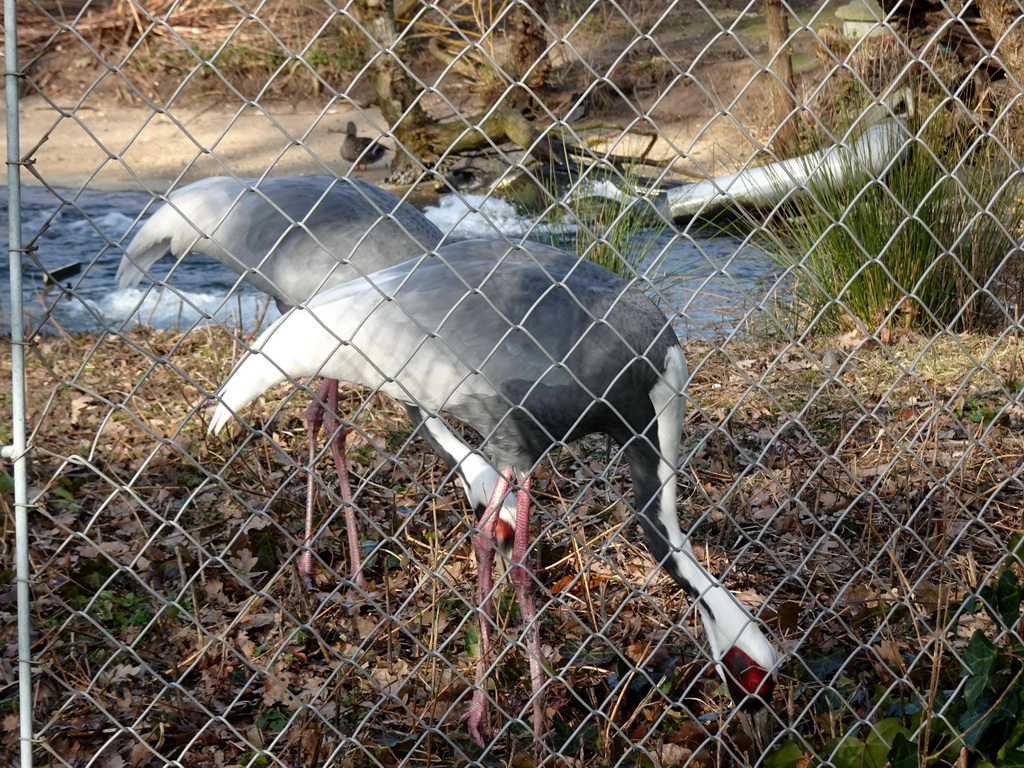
[(533, 348), (292, 237)]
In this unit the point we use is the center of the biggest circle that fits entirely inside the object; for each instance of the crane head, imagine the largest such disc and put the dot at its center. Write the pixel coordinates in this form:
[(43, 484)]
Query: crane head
[(751, 687), (749, 683)]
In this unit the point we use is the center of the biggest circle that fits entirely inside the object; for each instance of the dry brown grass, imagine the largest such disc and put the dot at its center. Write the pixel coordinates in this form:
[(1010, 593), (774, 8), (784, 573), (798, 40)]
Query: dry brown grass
[(856, 491), (199, 47)]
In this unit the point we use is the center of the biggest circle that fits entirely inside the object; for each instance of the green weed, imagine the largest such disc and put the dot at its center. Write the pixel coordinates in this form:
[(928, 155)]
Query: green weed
[(921, 247)]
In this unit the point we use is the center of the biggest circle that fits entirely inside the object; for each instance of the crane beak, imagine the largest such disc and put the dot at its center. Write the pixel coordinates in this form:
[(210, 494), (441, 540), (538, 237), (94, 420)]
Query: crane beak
[(760, 726)]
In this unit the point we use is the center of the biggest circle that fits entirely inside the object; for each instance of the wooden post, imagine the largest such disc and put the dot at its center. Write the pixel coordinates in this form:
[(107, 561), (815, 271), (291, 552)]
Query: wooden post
[(783, 87)]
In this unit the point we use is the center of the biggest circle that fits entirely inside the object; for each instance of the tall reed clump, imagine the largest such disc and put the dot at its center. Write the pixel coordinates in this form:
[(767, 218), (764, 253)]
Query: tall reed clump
[(622, 232), (931, 245), (619, 236)]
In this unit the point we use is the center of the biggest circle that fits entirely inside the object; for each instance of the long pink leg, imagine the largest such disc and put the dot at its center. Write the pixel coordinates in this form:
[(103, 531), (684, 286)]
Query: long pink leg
[(483, 544), (522, 582), (328, 394)]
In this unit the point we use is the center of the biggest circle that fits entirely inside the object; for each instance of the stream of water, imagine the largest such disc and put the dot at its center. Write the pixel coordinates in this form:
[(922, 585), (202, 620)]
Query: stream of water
[(715, 280)]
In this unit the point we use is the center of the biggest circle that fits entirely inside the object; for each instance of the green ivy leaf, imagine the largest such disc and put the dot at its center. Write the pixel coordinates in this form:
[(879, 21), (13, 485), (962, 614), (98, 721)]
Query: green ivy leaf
[(981, 657), (848, 753), (872, 752), (881, 738), (788, 755), (1002, 598), (1015, 738), (1013, 758), (903, 752), (472, 641), (976, 721), (825, 667)]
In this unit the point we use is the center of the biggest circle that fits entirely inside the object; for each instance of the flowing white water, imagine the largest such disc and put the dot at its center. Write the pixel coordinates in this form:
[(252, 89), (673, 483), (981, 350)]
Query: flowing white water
[(467, 217)]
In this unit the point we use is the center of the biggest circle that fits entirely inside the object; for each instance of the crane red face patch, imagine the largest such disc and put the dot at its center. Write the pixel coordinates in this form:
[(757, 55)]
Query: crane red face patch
[(504, 536), (745, 678)]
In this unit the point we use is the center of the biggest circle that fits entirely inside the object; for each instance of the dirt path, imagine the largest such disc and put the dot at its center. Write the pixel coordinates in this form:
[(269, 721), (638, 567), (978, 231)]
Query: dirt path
[(133, 148)]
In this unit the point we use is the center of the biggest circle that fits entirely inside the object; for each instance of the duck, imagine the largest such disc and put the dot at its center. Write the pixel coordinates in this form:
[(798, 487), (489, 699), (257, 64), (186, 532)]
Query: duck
[(360, 150)]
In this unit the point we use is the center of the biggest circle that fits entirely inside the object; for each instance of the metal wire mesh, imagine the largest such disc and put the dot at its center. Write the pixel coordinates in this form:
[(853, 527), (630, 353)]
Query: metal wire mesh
[(853, 478)]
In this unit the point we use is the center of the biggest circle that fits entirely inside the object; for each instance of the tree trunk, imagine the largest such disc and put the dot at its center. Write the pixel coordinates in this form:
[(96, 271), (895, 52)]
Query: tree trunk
[(395, 89), (529, 42), (783, 88), (1007, 28), (430, 141)]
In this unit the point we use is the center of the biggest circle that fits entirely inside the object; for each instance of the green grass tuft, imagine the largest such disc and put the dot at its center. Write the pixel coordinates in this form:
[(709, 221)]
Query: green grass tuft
[(929, 246)]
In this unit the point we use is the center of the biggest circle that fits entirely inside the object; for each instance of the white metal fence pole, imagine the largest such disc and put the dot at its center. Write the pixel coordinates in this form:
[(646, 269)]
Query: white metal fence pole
[(16, 450)]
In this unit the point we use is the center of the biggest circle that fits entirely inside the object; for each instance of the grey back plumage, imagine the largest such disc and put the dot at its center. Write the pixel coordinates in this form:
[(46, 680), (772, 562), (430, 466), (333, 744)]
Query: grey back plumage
[(530, 345), (289, 237)]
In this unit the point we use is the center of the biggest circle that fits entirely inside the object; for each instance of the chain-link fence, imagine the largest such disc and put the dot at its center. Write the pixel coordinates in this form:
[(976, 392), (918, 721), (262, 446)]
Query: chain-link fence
[(821, 201)]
